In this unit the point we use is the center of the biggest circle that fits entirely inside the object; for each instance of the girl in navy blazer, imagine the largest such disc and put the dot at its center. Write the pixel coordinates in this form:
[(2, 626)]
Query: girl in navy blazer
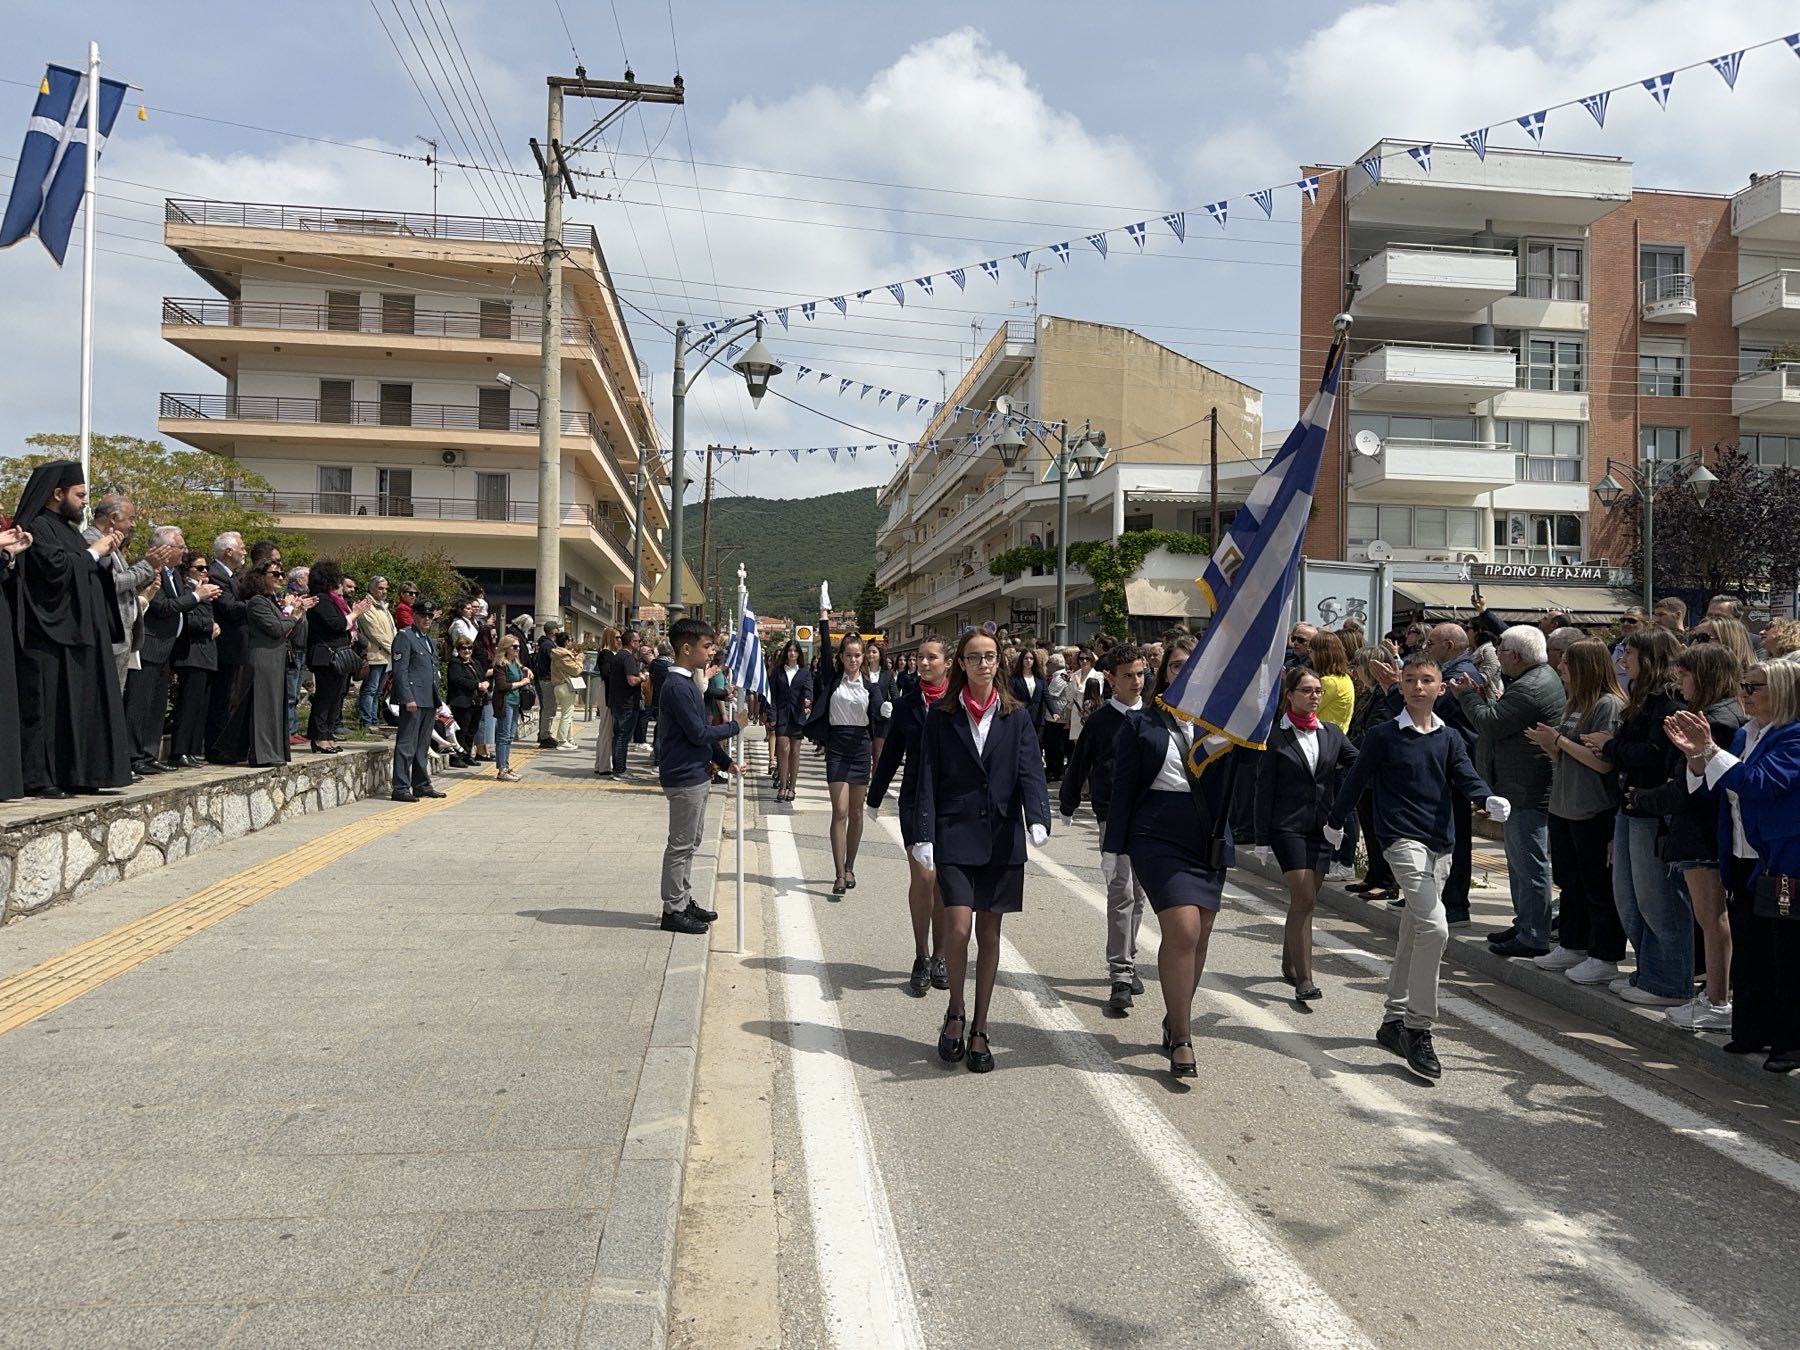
[(1758, 785), (981, 786), (1173, 827), (1295, 782), (887, 690), (1031, 688), (790, 700), (846, 702), (922, 897)]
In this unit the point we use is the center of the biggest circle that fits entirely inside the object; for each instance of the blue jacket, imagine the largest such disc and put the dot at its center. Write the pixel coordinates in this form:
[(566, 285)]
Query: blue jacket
[(1138, 754), (1036, 701), (685, 742), (1291, 797), (1767, 783), (415, 670), (789, 701), (902, 745), (973, 808), (825, 679), (1414, 773)]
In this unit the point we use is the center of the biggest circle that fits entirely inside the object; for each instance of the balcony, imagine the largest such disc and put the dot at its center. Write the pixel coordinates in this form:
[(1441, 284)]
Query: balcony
[(1435, 471), (1668, 299), (895, 567), (1465, 190), (1771, 301), (1433, 375), (1433, 282), (179, 212), (1768, 209), (1768, 399), (181, 313)]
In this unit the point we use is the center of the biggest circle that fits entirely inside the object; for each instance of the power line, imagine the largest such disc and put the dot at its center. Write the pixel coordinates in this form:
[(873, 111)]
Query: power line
[(472, 86)]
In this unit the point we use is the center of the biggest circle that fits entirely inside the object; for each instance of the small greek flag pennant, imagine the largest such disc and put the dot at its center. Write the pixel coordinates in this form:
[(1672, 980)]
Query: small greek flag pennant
[(782, 315), (865, 391), (1309, 188), (1372, 167), (884, 396), (1099, 243), (1659, 86), (1218, 211), (1596, 105), (1061, 251), (1421, 156), (844, 384), (1023, 259), (924, 284), (898, 291), (1177, 223), (1265, 198), (957, 275), (1534, 126), (992, 269), (1727, 66), (1135, 233), (807, 310), (802, 373), (1477, 141), (842, 307)]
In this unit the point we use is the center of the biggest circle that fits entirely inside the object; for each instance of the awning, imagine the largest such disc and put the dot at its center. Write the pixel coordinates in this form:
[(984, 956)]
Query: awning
[(1157, 600), (1513, 602)]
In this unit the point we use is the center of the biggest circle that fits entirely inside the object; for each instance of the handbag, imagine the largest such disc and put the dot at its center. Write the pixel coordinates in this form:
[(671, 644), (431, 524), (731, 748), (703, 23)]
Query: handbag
[(577, 683), (346, 661), (1776, 898)]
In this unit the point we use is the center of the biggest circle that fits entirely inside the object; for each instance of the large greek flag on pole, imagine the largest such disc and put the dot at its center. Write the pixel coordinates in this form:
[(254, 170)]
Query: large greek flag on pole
[(744, 658), (1229, 686), (52, 174)]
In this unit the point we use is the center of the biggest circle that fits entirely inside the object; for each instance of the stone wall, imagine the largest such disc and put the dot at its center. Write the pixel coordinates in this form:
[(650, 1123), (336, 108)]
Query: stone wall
[(53, 852)]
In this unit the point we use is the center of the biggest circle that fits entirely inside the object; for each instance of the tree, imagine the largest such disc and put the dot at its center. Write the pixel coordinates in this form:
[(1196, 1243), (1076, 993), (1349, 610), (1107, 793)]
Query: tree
[(205, 494), (1742, 540), (1112, 565), (868, 603), (433, 571), (1783, 354)]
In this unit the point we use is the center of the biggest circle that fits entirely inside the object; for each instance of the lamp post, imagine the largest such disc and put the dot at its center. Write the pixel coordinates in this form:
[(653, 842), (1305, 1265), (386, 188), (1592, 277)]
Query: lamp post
[(1083, 456), (1643, 477), (757, 367)]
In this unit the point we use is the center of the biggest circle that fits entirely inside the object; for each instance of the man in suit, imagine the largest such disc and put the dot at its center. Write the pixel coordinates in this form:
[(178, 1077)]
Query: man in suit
[(147, 687), (118, 513), (415, 690), (233, 618)]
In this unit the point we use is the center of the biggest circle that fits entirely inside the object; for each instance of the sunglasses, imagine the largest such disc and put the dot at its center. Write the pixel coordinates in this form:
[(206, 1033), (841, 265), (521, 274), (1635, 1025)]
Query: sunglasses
[(1629, 623), (1749, 688), (1698, 638)]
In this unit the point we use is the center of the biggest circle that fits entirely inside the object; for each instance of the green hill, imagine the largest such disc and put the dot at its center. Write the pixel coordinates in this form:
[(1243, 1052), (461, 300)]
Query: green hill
[(788, 546)]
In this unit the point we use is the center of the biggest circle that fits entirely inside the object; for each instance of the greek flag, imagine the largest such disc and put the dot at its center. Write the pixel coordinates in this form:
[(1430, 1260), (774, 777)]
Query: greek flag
[(1230, 684), (52, 174), (744, 659)]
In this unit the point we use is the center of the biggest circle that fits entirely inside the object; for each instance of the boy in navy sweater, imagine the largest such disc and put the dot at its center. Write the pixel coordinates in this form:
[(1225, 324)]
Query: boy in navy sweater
[(1413, 764), (686, 748)]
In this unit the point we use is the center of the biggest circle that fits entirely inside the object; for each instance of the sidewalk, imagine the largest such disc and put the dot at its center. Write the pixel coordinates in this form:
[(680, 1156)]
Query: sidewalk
[(394, 1075)]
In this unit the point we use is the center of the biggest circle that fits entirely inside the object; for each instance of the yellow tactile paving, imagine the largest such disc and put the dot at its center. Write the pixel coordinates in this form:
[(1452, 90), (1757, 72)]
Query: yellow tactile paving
[(51, 984)]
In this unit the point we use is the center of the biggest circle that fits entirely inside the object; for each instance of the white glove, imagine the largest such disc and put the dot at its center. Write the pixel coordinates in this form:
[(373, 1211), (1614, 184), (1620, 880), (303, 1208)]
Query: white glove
[(824, 597), (1038, 834), (887, 708), (1262, 855), (1068, 817), (1110, 864), (1334, 837), (872, 806), (922, 855), (1498, 809)]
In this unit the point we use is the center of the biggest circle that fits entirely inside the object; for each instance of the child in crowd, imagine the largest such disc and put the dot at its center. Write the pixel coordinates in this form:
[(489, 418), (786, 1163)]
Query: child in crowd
[(686, 747)]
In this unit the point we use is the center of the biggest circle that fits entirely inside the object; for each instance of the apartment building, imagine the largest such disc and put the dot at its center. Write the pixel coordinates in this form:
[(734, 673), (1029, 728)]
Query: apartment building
[(361, 354), (951, 512), (1525, 323)]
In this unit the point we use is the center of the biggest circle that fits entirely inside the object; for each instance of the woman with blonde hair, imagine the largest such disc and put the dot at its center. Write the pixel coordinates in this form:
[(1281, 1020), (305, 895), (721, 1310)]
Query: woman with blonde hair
[(1729, 634), (1781, 638)]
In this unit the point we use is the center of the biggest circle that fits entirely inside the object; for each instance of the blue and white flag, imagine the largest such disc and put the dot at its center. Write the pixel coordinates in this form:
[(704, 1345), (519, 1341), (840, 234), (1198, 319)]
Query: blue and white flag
[(960, 277), (924, 284), (992, 268), (1023, 259), (1231, 683), (843, 385), (808, 309), (1099, 243), (1309, 188), (1421, 155), (1372, 167), (1177, 223), (898, 291), (1534, 126), (1219, 211), (1659, 86), (1477, 141), (1793, 42), (1596, 105), (1265, 198), (744, 659), (842, 306), (1061, 251), (1727, 66), (1135, 233), (782, 315), (52, 173)]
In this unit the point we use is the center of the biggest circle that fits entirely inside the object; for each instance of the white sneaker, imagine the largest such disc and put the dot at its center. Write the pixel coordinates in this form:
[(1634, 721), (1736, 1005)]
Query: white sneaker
[(1631, 993), (1594, 971), (1619, 985), (1559, 958), (1701, 1015), (1339, 872)]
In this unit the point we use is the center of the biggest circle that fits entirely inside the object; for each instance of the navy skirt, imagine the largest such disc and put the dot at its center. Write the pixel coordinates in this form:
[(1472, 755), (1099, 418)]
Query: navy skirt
[(1300, 853), (992, 888), (1167, 854), (847, 755), (789, 722)]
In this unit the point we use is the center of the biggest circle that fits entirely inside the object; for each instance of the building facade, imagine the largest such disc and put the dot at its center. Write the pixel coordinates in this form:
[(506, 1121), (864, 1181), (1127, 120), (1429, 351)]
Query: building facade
[(1526, 323), (952, 511), (361, 354)]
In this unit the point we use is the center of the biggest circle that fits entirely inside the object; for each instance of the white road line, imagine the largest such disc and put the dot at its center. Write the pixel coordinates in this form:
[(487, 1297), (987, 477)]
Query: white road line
[(1572, 1242), (1297, 1307), (862, 1273)]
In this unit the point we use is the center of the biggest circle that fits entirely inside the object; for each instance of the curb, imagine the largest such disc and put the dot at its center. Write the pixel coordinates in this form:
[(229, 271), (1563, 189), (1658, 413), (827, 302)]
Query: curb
[(1645, 1027), (628, 1297)]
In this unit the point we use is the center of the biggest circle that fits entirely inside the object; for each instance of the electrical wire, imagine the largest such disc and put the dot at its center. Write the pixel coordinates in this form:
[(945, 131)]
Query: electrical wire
[(472, 86)]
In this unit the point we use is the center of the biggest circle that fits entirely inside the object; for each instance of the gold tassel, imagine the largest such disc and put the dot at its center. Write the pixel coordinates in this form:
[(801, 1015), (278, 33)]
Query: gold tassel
[(44, 88), (143, 113)]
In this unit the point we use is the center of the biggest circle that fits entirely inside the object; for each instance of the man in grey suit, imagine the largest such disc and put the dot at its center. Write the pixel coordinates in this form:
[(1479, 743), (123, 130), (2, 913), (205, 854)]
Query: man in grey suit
[(147, 684), (415, 663), (115, 511)]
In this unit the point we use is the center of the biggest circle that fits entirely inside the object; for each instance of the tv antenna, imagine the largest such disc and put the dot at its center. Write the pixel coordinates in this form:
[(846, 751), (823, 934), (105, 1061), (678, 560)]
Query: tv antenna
[(437, 171), (1032, 304)]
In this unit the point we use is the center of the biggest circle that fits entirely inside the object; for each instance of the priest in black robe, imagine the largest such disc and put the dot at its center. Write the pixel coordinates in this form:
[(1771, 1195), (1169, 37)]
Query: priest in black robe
[(71, 715), (13, 541)]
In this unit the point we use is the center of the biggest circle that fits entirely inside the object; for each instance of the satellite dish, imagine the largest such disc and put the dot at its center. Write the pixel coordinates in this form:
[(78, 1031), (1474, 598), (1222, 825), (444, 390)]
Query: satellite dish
[(1003, 405), (1379, 551), (1366, 443)]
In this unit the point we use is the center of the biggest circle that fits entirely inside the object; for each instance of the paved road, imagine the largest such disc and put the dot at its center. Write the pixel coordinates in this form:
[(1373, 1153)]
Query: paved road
[(1555, 1188)]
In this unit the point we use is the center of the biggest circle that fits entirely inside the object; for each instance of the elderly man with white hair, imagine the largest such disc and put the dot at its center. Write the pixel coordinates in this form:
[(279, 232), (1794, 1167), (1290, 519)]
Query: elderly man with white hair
[(232, 613), (1521, 774)]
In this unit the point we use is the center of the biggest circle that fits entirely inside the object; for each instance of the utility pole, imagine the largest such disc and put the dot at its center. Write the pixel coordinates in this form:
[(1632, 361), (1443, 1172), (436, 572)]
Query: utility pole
[(1212, 540), (553, 165), (706, 531)]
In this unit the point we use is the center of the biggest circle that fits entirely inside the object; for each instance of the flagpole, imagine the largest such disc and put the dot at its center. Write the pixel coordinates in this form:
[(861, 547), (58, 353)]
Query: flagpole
[(91, 148), (742, 604)]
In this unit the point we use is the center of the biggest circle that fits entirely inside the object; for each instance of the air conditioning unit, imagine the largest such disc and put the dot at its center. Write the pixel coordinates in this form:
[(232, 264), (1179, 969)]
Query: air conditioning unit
[(453, 459), (1470, 558)]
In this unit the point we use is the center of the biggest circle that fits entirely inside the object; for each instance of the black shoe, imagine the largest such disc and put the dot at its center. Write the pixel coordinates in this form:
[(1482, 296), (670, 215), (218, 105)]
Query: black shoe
[(1120, 1002), (430, 792), (1387, 1035), (1308, 992), (950, 1048), (1421, 1057), (682, 921), (402, 797), (1785, 1062), (837, 890), (980, 1061), (701, 913), (147, 766), (1733, 1047), (1504, 934), (190, 762), (940, 973), (1398, 902), (849, 881), (920, 980), (1515, 947), (136, 778), (1176, 1068), (1137, 985), (51, 794), (1358, 887)]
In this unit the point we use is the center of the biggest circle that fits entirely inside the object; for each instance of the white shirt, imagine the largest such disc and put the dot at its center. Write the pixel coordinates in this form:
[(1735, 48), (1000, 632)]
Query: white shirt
[(1172, 777), (980, 726), (790, 672), (1435, 724), (459, 629), (1031, 686), (1126, 707), (681, 670), (1716, 768), (1309, 744), (850, 704)]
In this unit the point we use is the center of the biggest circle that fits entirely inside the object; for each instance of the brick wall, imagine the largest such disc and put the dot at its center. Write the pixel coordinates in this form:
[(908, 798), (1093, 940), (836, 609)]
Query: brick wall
[(1322, 244)]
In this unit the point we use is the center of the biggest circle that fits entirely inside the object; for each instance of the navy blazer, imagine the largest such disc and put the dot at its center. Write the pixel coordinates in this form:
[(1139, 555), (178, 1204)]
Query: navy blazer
[(1292, 798), (1138, 756), (901, 746), (1036, 701), (165, 617), (1767, 783), (784, 697), (973, 808)]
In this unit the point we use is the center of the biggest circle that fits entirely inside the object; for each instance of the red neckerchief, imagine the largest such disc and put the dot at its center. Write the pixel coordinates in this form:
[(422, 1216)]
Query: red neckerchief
[(979, 710), (933, 692), (1305, 721)]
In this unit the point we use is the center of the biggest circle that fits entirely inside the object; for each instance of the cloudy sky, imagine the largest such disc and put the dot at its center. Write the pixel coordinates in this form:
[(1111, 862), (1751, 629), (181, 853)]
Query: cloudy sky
[(828, 148)]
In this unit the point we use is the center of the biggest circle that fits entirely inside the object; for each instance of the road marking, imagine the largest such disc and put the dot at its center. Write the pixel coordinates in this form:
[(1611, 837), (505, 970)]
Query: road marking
[(862, 1271)]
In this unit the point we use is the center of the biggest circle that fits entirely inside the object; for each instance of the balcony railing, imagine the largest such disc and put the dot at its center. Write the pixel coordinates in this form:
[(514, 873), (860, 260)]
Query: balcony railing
[(311, 318), (364, 413), (350, 220), (408, 507), (1676, 286)]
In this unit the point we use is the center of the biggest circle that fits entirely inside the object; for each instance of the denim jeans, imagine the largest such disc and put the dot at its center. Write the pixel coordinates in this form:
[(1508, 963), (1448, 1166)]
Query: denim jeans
[(293, 700), (1528, 868), (368, 701), (624, 724), (484, 729), (505, 723), (1655, 910)]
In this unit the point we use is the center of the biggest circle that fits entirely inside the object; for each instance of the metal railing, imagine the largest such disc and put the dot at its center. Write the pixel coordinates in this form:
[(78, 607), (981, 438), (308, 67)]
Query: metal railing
[(1011, 330), (405, 506), (353, 220), (1789, 371), (292, 315), (364, 413), (1397, 247), (1661, 290)]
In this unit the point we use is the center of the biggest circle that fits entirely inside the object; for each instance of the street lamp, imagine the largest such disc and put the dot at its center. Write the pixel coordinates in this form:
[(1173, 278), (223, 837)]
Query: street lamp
[(758, 368), (1083, 457), (1643, 477)]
